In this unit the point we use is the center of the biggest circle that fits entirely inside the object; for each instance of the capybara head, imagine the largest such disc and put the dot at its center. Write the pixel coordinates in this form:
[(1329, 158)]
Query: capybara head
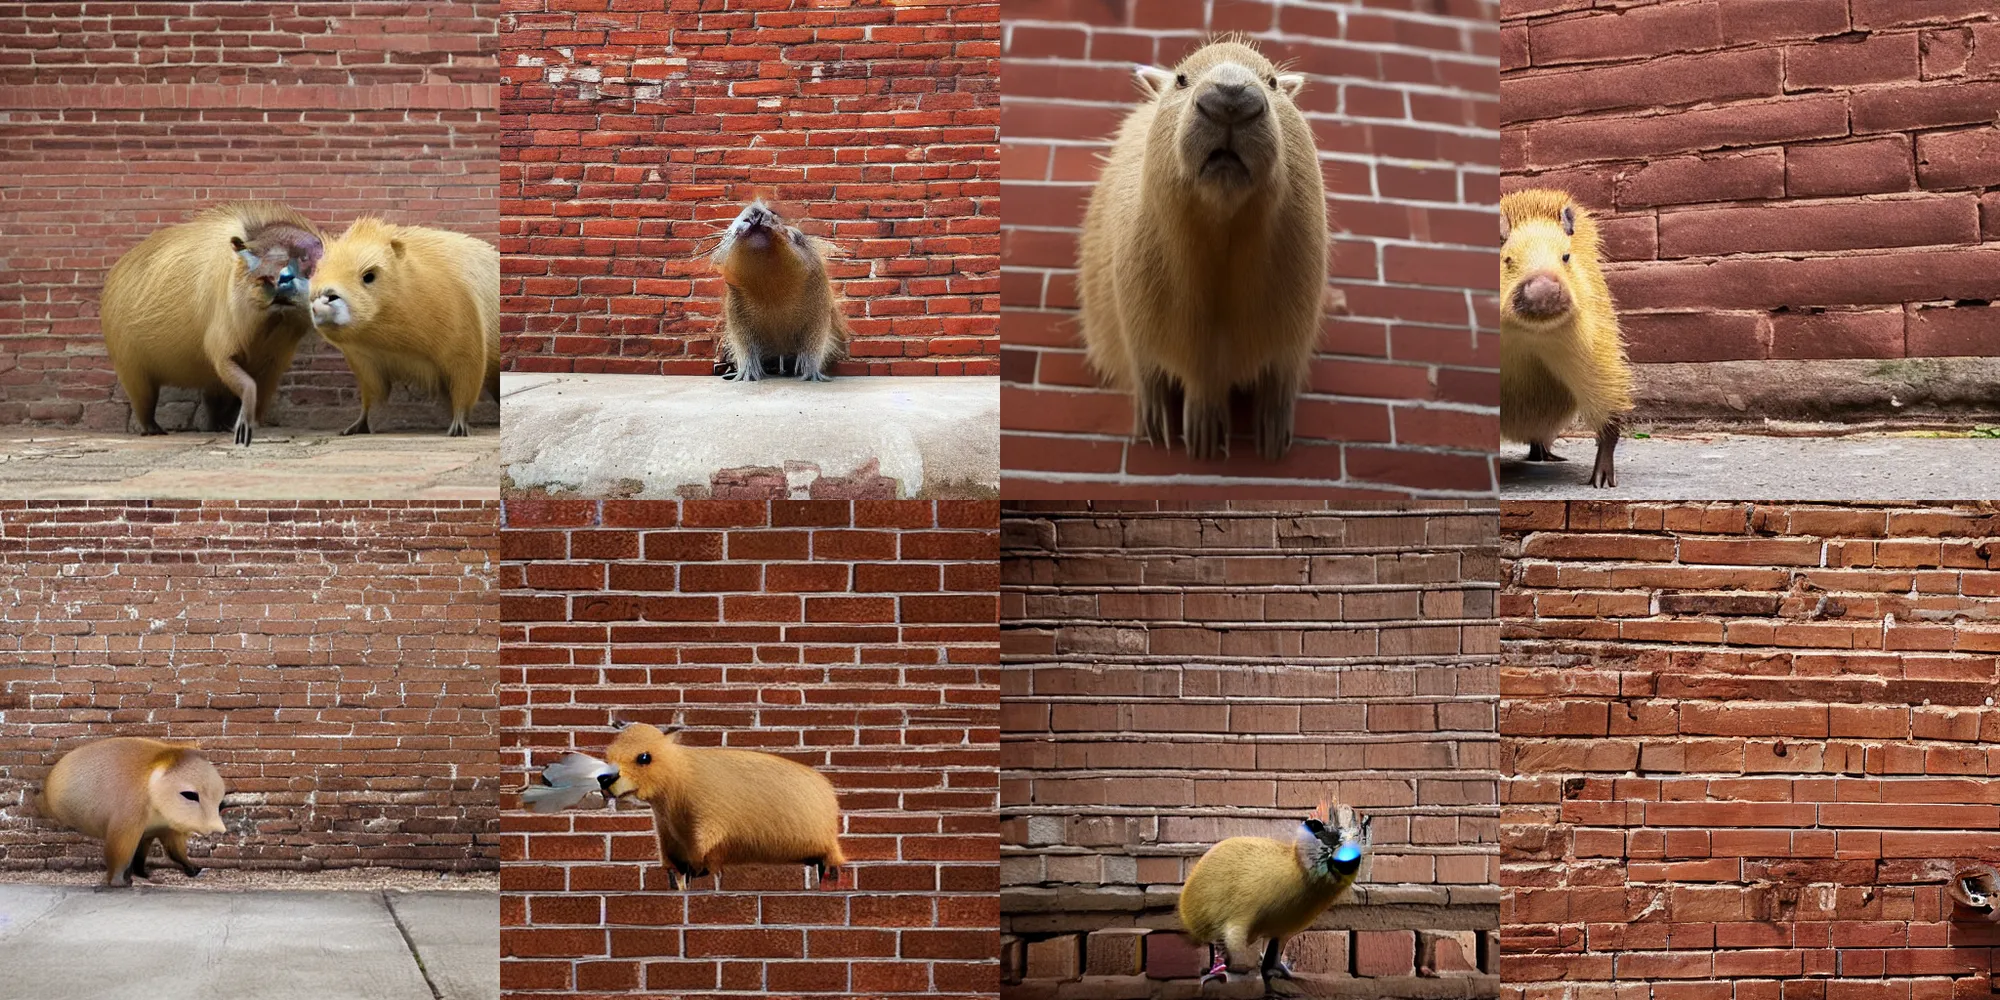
[(1221, 119), (279, 259), (1335, 840), (637, 756), (361, 270), (1548, 241), (187, 791), (759, 229)]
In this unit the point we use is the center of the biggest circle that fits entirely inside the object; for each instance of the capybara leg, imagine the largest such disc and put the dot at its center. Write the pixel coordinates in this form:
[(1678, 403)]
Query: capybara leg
[(176, 845), (1277, 397), (1236, 946), (749, 364), (810, 365), (464, 395), (138, 867), (1216, 969), (1539, 452), (1274, 966), (245, 387), (145, 398), (267, 393), (220, 410), (372, 388), (787, 364), (119, 846), (1152, 409), (1603, 474), (1205, 425), (493, 386)]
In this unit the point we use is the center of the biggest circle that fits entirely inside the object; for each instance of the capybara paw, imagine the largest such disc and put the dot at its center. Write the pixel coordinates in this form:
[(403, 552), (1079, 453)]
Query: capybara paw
[(1541, 453), (357, 427), (1281, 970), (456, 430), (243, 433), (1207, 434), (814, 375), (1274, 432), (745, 373), (151, 429), (1603, 475)]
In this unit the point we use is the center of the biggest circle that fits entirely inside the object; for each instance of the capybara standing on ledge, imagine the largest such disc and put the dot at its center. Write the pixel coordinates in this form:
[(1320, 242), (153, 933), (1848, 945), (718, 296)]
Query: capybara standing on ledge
[(415, 305), (216, 304), (1204, 250), (1560, 353), (129, 791), (778, 300)]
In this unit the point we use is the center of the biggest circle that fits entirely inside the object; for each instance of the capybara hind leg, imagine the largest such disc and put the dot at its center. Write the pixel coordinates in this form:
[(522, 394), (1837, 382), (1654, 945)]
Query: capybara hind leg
[(1205, 425), (119, 846), (245, 387), (137, 869), (1539, 452), (811, 366), (1277, 395), (1604, 474), (464, 393), (749, 363), (1152, 409), (267, 393), (145, 398), (176, 844), (1274, 966), (372, 387)]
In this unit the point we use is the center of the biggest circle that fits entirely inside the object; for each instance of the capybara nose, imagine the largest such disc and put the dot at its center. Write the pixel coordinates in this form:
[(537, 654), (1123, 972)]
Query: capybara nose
[(606, 779), (1541, 295), (1231, 103)]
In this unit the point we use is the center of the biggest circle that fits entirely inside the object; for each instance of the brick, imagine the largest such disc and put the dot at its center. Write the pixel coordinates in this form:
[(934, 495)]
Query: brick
[(1924, 222), (1170, 955), (1872, 334), (1117, 951), (1448, 954), (1384, 953), (1870, 166), (1058, 957)]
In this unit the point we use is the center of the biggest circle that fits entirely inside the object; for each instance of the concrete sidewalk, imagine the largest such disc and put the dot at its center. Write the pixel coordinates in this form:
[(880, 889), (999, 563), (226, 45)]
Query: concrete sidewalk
[(1674, 465), (282, 464), (149, 943), (700, 436)]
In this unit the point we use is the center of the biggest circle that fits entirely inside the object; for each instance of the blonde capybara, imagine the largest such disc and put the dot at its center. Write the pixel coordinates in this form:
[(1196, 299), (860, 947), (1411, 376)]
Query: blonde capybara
[(1248, 889), (216, 304), (714, 807), (412, 305), (129, 791), (1203, 266), (1561, 356), (777, 301)]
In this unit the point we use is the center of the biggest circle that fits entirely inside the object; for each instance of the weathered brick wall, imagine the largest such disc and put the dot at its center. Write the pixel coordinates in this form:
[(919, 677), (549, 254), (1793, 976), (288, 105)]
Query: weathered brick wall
[(636, 135), (1403, 106), (334, 661), (1174, 676), (123, 118), (1783, 179), (858, 638), (1744, 744)]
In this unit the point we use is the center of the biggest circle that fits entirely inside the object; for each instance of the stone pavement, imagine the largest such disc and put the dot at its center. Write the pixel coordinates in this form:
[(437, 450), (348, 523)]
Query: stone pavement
[(1674, 465), (282, 464)]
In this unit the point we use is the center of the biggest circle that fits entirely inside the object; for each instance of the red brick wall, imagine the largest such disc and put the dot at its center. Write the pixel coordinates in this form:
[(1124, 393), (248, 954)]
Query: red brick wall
[(333, 661), (856, 637), (1744, 745), (636, 135), (1838, 153), (124, 118), (1177, 676), (1404, 391)]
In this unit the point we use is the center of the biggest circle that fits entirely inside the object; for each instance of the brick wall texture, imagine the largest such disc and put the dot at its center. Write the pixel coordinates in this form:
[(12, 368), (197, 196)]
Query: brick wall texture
[(1173, 676), (334, 661), (1744, 745), (858, 638), (636, 133), (1786, 179), (1402, 99), (123, 118)]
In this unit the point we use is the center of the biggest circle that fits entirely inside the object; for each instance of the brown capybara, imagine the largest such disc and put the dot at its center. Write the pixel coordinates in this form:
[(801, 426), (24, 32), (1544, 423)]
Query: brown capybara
[(216, 304), (129, 791), (1248, 889), (1561, 357), (1203, 264), (413, 305), (778, 299), (715, 806)]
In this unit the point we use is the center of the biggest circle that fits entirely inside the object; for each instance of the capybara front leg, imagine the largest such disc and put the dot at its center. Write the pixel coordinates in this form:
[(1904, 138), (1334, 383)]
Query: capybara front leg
[(119, 847), (1277, 396), (176, 844), (372, 388), (245, 388), (145, 398), (749, 363), (138, 867), (1205, 425), (811, 366), (1274, 966), (464, 393), (1539, 452), (1153, 408), (1603, 474)]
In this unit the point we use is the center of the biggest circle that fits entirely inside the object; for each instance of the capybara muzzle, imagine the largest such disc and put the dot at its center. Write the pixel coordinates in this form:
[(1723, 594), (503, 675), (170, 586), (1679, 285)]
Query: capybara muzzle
[(1541, 296)]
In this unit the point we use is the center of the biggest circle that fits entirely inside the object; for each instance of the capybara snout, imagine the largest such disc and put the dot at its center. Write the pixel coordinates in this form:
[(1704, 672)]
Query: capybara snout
[(1232, 103), (1227, 135), (280, 259), (1541, 296)]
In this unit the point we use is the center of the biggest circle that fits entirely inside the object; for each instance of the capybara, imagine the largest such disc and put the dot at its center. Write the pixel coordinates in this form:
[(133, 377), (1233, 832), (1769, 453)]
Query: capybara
[(216, 304), (1248, 889), (1204, 249), (777, 298), (129, 791), (414, 305), (1561, 357), (714, 806)]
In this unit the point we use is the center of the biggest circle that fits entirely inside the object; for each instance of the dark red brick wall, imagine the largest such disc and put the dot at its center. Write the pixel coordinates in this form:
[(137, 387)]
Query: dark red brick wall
[(123, 118), (635, 135), (1402, 98), (1176, 675), (335, 662), (1787, 179), (855, 637), (1744, 744)]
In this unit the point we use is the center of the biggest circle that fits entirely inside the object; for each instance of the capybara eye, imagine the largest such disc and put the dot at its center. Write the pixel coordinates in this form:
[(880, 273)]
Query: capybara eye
[(1180, 81), (368, 277), (1273, 81), (1565, 258), (191, 797), (644, 759), (1507, 261)]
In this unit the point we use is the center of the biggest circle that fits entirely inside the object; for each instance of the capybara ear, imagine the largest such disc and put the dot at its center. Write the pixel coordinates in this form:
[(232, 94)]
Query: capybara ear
[(1569, 220), (1506, 227), (396, 246), (1291, 83), (250, 260), (1153, 81)]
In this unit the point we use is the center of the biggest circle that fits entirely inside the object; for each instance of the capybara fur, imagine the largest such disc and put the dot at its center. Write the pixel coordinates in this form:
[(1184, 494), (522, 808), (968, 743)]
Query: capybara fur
[(1248, 889), (777, 299), (714, 806), (129, 791), (1203, 264), (412, 305), (216, 304), (1561, 357)]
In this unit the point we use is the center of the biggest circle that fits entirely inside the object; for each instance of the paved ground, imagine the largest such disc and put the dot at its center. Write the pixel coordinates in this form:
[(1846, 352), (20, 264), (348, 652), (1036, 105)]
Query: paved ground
[(151, 942), (1700, 466), (283, 464), (681, 435)]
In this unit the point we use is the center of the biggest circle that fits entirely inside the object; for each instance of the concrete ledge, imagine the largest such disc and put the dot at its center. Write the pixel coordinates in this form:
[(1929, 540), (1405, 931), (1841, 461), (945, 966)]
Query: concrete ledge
[(1962, 390), (697, 436)]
